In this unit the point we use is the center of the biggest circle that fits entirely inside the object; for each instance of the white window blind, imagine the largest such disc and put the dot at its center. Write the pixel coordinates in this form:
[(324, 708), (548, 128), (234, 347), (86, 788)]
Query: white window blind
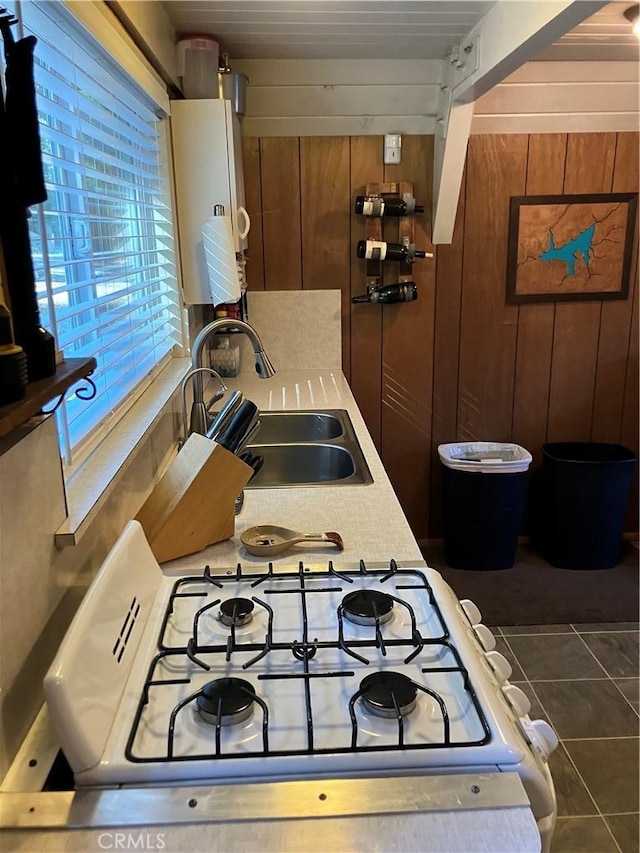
[(102, 243)]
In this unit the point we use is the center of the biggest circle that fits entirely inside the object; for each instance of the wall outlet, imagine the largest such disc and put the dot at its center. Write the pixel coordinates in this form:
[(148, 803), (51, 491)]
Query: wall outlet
[(392, 147)]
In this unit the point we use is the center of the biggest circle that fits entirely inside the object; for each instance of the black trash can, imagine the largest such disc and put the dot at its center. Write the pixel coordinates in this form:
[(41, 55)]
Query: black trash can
[(484, 486), (583, 498)]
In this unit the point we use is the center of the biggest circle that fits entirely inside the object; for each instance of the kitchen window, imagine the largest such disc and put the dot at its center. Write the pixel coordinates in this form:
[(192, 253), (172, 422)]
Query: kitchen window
[(102, 243)]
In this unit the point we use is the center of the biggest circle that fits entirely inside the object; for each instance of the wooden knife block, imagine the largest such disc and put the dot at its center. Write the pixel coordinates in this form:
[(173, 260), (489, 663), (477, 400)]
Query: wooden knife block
[(193, 504)]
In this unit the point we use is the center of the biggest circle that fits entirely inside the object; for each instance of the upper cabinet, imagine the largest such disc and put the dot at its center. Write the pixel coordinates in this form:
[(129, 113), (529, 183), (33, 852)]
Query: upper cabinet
[(207, 151)]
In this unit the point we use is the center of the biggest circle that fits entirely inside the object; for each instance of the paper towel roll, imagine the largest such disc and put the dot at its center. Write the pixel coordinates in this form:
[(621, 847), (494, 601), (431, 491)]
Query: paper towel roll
[(222, 266)]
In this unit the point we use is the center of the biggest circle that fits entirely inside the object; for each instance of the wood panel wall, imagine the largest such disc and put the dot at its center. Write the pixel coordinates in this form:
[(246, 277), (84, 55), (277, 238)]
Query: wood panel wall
[(459, 364)]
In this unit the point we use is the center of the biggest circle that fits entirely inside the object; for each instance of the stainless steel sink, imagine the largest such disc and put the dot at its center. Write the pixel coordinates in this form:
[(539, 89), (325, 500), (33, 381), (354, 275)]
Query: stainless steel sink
[(311, 448), (303, 464), (286, 427)]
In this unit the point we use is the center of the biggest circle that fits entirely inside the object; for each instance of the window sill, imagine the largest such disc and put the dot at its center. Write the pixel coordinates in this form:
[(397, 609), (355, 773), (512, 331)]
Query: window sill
[(89, 487)]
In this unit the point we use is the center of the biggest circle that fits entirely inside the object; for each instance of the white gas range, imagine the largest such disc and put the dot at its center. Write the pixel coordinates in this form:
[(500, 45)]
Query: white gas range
[(254, 674)]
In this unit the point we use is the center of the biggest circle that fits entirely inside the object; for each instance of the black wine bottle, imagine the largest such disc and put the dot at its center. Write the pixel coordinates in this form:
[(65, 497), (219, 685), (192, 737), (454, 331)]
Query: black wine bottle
[(405, 292), (375, 250), (372, 205)]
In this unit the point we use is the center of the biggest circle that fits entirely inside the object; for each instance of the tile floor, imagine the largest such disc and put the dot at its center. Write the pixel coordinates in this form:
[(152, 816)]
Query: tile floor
[(584, 680)]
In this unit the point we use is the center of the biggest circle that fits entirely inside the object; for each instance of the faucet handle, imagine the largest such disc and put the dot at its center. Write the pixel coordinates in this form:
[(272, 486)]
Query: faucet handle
[(219, 394)]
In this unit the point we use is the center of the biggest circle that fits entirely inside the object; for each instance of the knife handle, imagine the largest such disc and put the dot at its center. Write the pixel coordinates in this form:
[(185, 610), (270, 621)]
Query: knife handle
[(232, 436), (221, 420)]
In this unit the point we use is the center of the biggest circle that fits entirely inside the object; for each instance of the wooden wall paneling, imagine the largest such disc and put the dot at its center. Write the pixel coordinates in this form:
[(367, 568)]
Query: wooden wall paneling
[(446, 354), (545, 176), (407, 354), (590, 162), (325, 212), (280, 185), (615, 324), (588, 169), (629, 146), (496, 170), (629, 425), (253, 201), (366, 319), (630, 409)]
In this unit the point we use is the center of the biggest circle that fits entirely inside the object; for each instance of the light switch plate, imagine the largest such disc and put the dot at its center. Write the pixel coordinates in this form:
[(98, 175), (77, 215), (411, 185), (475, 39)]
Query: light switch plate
[(392, 148)]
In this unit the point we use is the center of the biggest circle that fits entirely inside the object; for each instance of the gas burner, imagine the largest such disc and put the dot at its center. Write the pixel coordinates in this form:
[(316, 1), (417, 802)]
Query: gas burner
[(367, 607), (236, 611), (381, 688), (232, 698)]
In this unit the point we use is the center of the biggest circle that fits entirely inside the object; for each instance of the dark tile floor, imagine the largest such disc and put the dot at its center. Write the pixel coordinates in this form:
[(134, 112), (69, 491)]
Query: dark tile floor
[(584, 680)]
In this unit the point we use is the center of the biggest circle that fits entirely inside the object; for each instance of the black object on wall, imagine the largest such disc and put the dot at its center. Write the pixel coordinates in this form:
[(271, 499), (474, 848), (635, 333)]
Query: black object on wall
[(21, 185)]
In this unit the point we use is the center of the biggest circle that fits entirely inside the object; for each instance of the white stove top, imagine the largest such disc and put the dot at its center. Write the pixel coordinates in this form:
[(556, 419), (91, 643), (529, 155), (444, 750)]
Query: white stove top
[(304, 661), (151, 686)]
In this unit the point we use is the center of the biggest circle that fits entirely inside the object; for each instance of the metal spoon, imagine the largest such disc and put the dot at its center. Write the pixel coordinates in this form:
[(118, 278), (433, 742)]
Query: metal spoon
[(266, 540)]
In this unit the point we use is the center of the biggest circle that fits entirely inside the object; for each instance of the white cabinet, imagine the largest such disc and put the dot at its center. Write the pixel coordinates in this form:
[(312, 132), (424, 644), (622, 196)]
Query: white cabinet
[(207, 153)]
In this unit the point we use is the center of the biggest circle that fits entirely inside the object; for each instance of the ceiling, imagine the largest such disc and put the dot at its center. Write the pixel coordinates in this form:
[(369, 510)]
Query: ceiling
[(379, 29), (330, 29)]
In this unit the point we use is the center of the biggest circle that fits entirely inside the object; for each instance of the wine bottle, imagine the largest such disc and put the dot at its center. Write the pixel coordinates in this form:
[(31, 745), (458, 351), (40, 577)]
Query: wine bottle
[(376, 250), (405, 292), (372, 205)]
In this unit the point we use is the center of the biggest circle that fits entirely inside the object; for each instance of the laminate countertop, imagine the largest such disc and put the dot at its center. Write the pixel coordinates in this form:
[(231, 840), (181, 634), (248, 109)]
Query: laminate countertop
[(368, 517)]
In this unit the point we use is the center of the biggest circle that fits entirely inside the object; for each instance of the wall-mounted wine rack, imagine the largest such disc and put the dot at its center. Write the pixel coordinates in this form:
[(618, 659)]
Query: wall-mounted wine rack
[(375, 229)]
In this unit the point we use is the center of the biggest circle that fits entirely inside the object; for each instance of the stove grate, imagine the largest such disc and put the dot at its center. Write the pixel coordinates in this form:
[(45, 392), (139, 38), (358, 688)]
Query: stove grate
[(446, 740), (181, 590), (304, 649)]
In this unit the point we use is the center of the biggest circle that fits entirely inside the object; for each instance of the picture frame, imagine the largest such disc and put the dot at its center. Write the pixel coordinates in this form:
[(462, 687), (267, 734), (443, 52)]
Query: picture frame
[(566, 248)]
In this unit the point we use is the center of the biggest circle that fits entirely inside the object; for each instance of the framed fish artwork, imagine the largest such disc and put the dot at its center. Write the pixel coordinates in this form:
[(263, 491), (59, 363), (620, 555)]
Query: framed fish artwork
[(570, 247)]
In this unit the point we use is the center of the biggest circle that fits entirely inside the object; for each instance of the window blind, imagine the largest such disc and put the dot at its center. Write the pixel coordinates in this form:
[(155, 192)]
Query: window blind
[(102, 244)]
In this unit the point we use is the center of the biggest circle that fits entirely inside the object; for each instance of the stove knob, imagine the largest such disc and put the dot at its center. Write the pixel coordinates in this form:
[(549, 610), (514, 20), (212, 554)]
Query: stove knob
[(518, 700), (541, 736), (487, 640), (500, 665), (471, 611)]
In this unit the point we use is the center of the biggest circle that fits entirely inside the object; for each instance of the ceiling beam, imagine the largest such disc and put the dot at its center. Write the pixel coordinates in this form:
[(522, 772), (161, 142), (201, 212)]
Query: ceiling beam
[(450, 152), (510, 34)]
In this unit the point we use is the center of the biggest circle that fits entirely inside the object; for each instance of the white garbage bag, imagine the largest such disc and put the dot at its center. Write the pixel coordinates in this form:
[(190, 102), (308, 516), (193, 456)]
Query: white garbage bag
[(485, 457)]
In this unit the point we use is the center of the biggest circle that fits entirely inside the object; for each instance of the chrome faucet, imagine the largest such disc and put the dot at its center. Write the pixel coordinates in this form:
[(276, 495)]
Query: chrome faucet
[(199, 421), (218, 395)]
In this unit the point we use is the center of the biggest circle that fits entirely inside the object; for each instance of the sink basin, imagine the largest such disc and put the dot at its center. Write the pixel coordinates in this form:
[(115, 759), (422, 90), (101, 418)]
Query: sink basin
[(311, 448), (286, 427), (304, 465)]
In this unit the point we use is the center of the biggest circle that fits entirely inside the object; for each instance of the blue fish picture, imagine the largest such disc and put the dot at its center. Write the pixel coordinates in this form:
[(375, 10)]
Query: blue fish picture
[(570, 246), (580, 245)]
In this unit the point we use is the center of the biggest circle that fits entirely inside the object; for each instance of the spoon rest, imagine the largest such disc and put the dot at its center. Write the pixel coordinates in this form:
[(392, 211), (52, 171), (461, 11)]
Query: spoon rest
[(266, 540)]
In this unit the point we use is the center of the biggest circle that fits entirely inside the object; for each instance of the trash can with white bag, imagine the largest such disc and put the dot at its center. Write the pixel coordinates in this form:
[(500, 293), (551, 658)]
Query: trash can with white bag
[(484, 489)]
